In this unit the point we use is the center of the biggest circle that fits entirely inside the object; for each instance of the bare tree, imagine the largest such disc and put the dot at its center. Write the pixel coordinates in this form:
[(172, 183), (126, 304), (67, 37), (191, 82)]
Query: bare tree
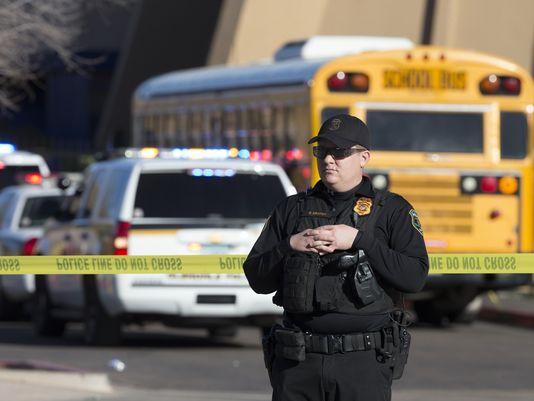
[(31, 31)]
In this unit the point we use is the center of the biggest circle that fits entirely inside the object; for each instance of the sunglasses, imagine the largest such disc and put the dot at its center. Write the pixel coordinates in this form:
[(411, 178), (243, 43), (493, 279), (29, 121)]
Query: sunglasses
[(337, 153)]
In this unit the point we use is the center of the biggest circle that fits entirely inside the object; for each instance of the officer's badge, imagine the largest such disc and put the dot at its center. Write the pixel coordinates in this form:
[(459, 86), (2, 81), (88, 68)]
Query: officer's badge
[(334, 124), (416, 222), (363, 206)]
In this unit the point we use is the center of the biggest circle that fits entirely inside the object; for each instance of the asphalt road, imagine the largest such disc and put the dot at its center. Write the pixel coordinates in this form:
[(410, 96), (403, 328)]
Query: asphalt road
[(463, 360)]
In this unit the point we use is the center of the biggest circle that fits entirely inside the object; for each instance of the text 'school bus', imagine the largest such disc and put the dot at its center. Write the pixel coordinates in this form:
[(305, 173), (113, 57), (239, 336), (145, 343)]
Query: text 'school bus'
[(451, 132)]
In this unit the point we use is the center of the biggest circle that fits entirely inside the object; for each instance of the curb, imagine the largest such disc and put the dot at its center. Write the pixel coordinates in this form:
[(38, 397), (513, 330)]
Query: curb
[(93, 382), (514, 318)]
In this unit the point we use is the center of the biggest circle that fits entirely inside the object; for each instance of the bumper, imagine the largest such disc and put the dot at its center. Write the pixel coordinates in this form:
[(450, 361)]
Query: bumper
[(122, 296)]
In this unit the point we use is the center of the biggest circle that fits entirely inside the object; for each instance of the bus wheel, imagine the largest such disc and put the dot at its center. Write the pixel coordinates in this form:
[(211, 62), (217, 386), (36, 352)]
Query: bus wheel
[(101, 328), (44, 324)]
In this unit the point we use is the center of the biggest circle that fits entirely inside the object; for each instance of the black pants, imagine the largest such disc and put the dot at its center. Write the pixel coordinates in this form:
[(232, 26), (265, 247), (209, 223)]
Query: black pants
[(352, 376)]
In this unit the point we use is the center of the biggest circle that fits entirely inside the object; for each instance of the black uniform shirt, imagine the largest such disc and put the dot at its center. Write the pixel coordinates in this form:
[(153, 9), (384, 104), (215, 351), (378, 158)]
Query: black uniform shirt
[(395, 249)]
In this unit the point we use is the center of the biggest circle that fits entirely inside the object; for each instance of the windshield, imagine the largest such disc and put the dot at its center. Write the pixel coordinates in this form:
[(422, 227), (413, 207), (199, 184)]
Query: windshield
[(37, 210), (431, 132), (14, 175), (185, 195)]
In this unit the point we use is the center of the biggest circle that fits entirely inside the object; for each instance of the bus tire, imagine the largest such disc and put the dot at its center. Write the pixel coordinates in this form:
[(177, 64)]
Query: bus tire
[(101, 328), (44, 323)]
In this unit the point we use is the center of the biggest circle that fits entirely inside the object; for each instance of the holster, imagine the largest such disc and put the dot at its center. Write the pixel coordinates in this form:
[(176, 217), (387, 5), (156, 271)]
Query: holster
[(301, 270), (395, 344), (268, 344), (290, 344)]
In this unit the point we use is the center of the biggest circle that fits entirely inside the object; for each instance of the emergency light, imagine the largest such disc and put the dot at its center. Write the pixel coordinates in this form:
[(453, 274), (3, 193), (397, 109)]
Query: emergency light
[(6, 148)]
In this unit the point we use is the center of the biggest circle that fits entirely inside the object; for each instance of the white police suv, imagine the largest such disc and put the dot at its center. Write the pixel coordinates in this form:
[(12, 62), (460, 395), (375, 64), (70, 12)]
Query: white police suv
[(162, 202)]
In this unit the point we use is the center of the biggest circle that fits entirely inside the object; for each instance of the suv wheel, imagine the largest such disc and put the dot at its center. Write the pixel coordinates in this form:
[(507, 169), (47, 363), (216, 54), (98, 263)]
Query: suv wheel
[(44, 324), (100, 327), (224, 332)]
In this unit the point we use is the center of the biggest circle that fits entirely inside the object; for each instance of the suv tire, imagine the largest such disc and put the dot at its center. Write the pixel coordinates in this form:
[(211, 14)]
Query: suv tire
[(101, 328), (44, 324)]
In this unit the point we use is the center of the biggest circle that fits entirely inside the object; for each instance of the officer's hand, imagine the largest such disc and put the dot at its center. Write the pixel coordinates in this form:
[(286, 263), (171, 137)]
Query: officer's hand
[(302, 241), (327, 239)]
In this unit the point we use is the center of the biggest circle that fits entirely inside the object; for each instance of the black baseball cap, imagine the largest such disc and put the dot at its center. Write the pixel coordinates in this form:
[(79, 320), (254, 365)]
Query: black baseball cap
[(344, 131)]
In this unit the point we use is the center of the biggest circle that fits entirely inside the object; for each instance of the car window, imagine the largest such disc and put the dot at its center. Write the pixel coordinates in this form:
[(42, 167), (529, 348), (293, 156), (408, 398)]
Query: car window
[(14, 175), (5, 209), (91, 193), (38, 209), (112, 198), (207, 193)]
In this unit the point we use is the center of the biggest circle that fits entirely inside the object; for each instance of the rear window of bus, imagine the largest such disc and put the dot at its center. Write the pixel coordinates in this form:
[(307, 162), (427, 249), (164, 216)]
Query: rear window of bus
[(431, 132)]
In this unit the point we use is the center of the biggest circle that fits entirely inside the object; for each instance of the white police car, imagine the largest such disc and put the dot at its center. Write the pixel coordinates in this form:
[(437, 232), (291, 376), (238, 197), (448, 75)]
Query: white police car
[(24, 210), (177, 202), (21, 167)]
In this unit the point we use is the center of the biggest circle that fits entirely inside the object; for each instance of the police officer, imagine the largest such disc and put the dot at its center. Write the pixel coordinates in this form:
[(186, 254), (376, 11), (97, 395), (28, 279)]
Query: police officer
[(339, 257)]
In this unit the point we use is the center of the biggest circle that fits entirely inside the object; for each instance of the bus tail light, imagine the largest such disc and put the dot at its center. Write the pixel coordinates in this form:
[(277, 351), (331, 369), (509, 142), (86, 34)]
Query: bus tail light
[(500, 85), (488, 184), (380, 181), (338, 82), (508, 185), (348, 82), (503, 185), (511, 85), (29, 245), (120, 241), (359, 82), (469, 184)]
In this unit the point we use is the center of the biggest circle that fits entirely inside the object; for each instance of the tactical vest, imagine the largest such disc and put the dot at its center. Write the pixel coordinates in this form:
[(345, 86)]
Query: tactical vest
[(313, 283)]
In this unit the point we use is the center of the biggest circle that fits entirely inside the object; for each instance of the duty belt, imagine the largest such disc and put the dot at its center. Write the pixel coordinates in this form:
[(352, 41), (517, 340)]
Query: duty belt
[(334, 343)]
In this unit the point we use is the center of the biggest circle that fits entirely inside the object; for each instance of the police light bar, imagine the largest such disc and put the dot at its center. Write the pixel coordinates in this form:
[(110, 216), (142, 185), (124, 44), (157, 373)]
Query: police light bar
[(208, 153), (208, 172), (216, 154), (6, 148)]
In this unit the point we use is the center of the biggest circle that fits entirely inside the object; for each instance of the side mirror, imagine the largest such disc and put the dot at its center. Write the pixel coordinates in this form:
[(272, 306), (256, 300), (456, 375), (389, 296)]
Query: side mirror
[(63, 182)]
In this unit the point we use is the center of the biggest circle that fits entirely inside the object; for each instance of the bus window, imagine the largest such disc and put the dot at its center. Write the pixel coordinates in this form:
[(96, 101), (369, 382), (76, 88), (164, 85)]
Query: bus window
[(426, 131), (513, 135), (328, 112)]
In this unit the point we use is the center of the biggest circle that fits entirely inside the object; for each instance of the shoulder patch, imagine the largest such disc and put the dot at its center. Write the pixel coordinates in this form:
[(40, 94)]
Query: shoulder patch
[(416, 223)]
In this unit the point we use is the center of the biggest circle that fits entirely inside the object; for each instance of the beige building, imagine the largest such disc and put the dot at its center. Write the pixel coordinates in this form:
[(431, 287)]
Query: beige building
[(251, 30)]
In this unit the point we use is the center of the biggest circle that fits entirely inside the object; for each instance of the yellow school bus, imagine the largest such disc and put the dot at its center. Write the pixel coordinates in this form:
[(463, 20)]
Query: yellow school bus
[(451, 131)]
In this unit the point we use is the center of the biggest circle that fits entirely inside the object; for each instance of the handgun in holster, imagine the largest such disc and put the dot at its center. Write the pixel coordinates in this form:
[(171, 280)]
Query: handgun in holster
[(396, 344), (364, 282)]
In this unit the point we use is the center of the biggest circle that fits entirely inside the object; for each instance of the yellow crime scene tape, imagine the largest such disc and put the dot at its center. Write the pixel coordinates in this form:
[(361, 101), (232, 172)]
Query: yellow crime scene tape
[(512, 263)]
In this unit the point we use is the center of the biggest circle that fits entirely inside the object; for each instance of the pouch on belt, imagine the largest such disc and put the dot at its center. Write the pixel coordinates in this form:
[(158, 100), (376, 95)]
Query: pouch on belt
[(290, 344)]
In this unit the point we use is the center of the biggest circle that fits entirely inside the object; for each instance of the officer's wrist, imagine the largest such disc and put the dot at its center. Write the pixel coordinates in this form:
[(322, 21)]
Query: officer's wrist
[(364, 240), (285, 246)]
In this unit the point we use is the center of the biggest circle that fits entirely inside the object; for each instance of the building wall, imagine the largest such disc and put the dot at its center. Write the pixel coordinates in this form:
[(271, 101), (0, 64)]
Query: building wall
[(253, 30), (503, 28)]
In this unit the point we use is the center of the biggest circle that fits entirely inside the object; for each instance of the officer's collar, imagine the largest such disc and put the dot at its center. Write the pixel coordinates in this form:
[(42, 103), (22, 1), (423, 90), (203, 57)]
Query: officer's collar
[(364, 188)]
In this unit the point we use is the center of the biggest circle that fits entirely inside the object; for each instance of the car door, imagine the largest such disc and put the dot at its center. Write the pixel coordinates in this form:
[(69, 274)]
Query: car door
[(66, 290)]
